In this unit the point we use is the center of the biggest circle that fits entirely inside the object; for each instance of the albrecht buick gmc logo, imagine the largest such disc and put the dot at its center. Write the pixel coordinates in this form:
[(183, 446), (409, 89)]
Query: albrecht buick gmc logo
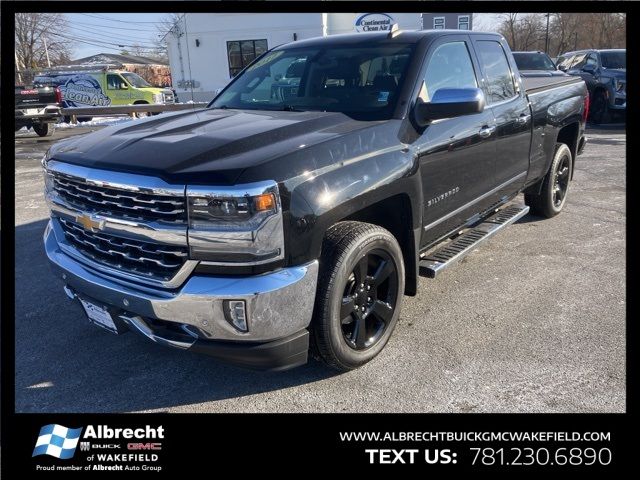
[(61, 442)]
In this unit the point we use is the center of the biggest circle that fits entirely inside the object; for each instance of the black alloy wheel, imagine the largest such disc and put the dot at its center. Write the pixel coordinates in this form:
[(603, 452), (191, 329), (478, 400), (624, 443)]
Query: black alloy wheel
[(561, 181), (368, 301)]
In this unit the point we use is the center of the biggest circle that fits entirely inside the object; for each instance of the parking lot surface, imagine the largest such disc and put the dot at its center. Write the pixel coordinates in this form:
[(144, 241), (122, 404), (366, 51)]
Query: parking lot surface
[(533, 321)]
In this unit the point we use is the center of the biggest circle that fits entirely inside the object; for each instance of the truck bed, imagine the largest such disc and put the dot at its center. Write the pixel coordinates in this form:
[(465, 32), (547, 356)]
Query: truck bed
[(538, 84)]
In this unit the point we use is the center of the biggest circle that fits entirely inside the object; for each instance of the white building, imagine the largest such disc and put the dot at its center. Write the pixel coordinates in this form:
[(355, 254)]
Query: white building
[(207, 49)]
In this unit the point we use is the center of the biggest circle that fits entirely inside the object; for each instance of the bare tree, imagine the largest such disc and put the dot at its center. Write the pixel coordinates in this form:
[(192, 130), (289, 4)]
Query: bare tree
[(508, 28), (166, 24), (36, 36)]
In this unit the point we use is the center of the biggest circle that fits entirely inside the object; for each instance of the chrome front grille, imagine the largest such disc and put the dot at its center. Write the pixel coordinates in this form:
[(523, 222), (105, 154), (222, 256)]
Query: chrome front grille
[(116, 202), (148, 260)]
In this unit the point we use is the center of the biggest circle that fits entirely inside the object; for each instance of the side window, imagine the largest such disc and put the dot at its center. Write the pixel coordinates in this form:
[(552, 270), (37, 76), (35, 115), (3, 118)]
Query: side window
[(496, 68), (450, 66), (592, 60), (113, 82), (564, 62)]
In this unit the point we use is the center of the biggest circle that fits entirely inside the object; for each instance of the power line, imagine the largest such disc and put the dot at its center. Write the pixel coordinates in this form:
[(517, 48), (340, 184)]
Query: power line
[(95, 43), (113, 27), (116, 20), (122, 37)]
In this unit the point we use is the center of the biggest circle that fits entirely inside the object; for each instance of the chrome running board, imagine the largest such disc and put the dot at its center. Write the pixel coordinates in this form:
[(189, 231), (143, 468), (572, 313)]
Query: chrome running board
[(434, 262)]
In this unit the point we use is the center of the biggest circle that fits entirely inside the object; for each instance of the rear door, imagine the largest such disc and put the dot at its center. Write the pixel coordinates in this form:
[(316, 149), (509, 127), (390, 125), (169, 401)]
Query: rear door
[(508, 102), (456, 154)]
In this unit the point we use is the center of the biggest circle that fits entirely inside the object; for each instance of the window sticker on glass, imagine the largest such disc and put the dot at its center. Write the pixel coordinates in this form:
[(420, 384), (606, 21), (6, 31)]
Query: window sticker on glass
[(383, 96)]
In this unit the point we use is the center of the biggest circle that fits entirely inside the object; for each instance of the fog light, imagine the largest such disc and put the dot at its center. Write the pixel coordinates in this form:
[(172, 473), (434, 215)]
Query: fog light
[(235, 312)]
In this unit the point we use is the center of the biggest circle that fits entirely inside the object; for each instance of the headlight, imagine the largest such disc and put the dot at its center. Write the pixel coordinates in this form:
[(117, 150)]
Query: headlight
[(158, 98), (240, 225), (48, 178), (620, 85)]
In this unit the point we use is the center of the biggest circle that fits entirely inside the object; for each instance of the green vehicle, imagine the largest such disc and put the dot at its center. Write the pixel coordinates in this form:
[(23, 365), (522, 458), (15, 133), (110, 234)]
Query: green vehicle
[(102, 87)]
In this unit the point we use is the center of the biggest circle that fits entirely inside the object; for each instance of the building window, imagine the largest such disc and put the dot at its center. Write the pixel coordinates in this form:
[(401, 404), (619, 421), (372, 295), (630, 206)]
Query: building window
[(242, 52), (463, 22), (438, 23)]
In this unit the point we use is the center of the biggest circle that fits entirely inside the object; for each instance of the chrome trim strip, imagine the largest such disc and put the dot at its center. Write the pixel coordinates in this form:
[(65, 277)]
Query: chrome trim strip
[(129, 278), (564, 85), (138, 324), (146, 231), (123, 181), (468, 204)]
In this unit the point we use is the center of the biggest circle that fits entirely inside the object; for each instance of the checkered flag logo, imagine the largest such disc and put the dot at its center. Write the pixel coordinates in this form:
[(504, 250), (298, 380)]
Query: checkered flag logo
[(57, 441)]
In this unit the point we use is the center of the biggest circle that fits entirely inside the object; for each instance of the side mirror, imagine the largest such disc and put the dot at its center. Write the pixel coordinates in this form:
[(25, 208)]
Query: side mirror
[(124, 86), (589, 68), (562, 68), (449, 103)]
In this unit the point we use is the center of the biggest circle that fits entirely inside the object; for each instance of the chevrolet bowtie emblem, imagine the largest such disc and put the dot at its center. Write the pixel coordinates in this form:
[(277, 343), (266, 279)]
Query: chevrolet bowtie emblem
[(90, 223)]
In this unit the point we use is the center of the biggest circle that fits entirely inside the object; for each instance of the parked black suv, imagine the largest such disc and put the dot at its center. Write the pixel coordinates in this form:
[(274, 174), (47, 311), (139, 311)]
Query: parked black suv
[(605, 73)]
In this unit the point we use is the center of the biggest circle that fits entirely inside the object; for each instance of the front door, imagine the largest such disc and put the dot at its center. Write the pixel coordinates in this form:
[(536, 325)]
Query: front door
[(510, 106), (457, 154), (118, 90)]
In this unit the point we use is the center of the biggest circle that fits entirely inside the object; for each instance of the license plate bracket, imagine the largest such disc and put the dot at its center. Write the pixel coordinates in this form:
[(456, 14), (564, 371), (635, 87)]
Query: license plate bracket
[(102, 316)]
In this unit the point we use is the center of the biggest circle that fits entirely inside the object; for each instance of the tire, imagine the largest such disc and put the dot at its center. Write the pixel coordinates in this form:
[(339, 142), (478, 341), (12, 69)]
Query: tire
[(141, 114), (555, 185), (335, 334), (44, 129), (599, 112)]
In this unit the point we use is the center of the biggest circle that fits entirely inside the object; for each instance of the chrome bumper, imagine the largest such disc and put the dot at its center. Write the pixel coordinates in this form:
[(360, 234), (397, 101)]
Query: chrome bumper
[(278, 303)]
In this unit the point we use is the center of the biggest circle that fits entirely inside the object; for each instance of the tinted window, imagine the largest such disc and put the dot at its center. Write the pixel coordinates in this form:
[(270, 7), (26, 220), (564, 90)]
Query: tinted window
[(114, 82), (353, 80), (496, 68), (533, 61), (449, 67), (614, 59)]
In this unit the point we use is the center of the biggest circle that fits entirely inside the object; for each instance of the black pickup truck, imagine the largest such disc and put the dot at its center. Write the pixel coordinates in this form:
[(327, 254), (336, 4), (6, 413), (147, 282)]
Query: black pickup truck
[(266, 226), (38, 107)]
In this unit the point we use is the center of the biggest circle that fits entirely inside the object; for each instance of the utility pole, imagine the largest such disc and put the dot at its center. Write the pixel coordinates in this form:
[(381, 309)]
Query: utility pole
[(546, 38), (46, 51), (18, 68)]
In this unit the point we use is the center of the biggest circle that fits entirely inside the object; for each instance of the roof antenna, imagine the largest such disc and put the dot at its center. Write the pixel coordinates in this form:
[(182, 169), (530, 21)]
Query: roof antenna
[(393, 31)]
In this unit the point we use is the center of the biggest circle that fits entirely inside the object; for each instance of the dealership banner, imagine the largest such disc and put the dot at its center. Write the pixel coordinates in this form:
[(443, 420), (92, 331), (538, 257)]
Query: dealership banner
[(165, 445)]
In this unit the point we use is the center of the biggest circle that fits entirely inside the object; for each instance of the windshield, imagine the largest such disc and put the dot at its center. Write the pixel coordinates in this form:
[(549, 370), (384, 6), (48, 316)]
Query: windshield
[(359, 81), (135, 80), (533, 61), (614, 59)]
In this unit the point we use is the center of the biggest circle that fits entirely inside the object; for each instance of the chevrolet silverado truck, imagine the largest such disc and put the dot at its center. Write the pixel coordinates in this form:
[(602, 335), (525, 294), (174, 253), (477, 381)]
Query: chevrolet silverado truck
[(265, 227), (38, 107)]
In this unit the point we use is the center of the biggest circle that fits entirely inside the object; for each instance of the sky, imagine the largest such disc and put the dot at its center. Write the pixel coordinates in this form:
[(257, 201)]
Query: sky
[(105, 32)]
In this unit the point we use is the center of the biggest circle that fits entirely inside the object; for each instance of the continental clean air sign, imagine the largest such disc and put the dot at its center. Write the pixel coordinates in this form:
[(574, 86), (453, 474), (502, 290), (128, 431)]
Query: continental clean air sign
[(374, 22)]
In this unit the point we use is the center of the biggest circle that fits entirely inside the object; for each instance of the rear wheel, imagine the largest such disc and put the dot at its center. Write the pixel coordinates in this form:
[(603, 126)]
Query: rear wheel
[(360, 290), (599, 108), (44, 129), (555, 185)]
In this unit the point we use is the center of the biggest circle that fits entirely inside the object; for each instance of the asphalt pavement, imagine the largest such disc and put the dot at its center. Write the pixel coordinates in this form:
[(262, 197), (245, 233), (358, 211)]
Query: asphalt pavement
[(532, 321)]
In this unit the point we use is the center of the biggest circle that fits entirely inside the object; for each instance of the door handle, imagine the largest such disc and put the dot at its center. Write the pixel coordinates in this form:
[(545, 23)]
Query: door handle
[(524, 118), (486, 131)]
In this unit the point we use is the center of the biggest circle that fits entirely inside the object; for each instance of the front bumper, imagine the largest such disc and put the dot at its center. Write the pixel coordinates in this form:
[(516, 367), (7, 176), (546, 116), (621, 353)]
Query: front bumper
[(279, 307)]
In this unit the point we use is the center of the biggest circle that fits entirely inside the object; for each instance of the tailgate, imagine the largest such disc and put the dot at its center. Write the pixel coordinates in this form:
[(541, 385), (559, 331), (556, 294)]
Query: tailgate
[(35, 97)]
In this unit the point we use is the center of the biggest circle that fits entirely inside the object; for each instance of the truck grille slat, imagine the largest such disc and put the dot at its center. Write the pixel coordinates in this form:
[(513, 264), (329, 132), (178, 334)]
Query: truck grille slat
[(140, 258), (108, 200)]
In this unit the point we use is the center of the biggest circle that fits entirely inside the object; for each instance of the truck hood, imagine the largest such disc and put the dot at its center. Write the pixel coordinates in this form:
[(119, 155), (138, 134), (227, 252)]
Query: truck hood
[(203, 146)]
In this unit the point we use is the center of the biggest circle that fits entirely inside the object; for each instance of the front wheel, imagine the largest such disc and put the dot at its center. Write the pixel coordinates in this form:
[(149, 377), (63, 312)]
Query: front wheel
[(44, 129), (360, 288), (555, 185)]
